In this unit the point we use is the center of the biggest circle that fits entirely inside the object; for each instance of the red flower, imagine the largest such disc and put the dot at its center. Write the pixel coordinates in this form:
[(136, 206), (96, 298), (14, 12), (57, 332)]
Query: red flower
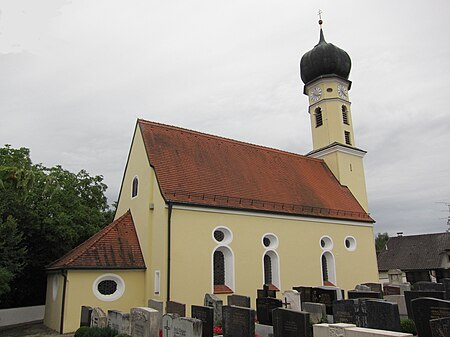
[(160, 333), (218, 330)]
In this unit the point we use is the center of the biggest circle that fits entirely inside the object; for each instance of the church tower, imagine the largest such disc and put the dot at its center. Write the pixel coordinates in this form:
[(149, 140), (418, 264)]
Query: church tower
[(324, 70)]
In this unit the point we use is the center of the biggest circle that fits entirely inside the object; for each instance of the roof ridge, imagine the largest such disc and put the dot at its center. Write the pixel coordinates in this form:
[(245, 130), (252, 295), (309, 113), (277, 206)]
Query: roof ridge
[(229, 140), (99, 235), (414, 235)]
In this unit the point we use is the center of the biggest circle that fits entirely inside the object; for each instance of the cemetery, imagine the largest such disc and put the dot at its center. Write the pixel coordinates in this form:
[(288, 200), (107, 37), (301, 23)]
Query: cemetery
[(381, 310)]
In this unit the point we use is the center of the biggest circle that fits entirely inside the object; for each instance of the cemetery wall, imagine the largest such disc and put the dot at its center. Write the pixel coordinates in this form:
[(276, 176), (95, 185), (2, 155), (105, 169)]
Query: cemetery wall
[(80, 293), (16, 316)]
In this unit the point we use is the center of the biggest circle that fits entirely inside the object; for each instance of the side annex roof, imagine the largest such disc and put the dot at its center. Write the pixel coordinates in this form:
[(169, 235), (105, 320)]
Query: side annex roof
[(195, 168), (116, 246)]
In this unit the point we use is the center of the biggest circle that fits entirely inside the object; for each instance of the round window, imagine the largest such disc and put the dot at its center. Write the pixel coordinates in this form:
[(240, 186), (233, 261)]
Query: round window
[(108, 287), (350, 243), (326, 243), (270, 241), (222, 235)]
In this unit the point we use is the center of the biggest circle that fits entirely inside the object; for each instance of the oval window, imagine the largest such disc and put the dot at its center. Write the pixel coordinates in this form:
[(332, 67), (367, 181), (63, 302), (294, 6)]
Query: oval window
[(108, 287)]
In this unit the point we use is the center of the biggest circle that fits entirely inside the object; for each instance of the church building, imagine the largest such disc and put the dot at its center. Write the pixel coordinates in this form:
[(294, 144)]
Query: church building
[(199, 213)]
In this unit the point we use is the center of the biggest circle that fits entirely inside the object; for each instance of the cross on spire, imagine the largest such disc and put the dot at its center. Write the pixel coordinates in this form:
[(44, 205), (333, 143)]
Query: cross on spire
[(320, 17)]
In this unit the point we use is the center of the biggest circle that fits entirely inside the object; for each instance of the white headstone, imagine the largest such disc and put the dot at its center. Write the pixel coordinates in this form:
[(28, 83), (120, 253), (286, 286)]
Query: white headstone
[(119, 321), (292, 300), (187, 327), (167, 324), (98, 318), (157, 305), (144, 322)]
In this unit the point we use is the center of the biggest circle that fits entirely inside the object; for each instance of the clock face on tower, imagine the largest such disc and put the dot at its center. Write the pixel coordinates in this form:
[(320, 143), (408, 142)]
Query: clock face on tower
[(315, 94), (342, 91)]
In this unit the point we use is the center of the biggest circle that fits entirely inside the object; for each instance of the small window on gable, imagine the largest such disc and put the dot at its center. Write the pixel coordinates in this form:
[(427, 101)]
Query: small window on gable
[(134, 188), (345, 115), (318, 114), (347, 138)]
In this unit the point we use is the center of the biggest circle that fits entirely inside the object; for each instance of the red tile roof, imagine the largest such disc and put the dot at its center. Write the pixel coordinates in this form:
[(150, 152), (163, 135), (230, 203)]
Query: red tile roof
[(196, 168), (114, 247)]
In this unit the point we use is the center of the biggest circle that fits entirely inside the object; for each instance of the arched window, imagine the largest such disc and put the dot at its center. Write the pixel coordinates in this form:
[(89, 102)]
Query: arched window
[(223, 270), (345, 115), (271, 269), (328, 268), (318, 115), (267, 269), (134, 188)]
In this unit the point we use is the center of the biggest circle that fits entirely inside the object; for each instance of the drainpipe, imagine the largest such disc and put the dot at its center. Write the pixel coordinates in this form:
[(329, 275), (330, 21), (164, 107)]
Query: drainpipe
[(169, 225), (63, 302)]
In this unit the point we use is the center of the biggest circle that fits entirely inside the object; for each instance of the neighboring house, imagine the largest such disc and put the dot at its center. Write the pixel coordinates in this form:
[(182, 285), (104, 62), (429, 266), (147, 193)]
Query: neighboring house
[(200, 214), (422, 257)]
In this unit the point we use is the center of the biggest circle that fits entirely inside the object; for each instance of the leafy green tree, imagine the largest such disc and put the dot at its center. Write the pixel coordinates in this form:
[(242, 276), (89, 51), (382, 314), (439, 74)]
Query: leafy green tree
[(55, 210), (381, 241)]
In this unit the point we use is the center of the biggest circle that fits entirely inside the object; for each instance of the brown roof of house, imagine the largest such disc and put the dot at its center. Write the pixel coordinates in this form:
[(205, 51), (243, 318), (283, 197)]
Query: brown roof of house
[(201, 169), (415, 252), (114, 247)]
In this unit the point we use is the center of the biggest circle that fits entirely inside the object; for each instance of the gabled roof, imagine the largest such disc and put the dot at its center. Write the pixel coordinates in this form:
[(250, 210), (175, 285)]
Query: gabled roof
[(116, 246), (414, 252), (200, 169)]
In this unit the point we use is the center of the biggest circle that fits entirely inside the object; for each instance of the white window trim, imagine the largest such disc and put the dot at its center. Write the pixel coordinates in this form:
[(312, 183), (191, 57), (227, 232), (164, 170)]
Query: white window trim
[(353, 243), (229, 266), (157, 284), (116, 295), (275, 260), (228, 235), (273, 241), (328, 242), (331, 264)]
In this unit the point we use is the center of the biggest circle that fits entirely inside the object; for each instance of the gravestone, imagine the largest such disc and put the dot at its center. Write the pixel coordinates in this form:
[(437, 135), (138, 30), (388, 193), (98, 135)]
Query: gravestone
[(352, 294), (264, 308), (290, 323), (327, 295), (400, 300), (263, 330), (390, 289), (187, 327), (395, 276), (265, 292), (292, 300), (238, 322), (216, 303), (338, 329), (176, 308), (424, 285), (446, 283), (426, 309), (317, 311), (144, 322), (346, 311), (440, 327), (238, 300), (411, 295), (382, 315), (167, 325), (86, 313), (206, 315), (377, 287), (98, 318), (305, 293), (157, 305), (119, 321), (362, 287)]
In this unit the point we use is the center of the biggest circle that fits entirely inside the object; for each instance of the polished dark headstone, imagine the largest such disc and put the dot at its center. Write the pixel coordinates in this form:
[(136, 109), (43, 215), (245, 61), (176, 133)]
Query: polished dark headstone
[(424, 285), (305, 293), (327, 295), (382, 315), (351, 294), (264, 308), (86, 313), (411, 295), (426, 309), (389, 289), (238, 300), (440, 327), (238, 322), (290, 323), (206, 315), (176, 308), (345, 311)]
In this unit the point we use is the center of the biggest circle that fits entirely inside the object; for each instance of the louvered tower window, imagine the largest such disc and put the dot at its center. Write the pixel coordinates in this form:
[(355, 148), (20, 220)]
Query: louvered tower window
[(348, 141), (318, 115), (345, 115)]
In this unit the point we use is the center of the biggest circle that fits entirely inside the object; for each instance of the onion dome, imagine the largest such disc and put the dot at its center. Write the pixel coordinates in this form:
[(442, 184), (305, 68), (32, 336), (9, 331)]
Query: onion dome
[(324, 59)]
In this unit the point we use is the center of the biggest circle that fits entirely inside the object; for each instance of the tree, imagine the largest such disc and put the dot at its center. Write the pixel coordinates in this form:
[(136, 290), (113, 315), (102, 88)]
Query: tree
[(55, 210), (381, 241)]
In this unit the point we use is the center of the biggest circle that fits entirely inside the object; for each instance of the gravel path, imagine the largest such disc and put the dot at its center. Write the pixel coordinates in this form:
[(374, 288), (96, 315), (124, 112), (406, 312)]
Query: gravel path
[(31, 330)]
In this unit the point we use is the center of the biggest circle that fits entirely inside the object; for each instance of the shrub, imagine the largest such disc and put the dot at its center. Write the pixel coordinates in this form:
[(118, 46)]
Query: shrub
[(82, 331), (408, 326), (85, 331), (123, 335)]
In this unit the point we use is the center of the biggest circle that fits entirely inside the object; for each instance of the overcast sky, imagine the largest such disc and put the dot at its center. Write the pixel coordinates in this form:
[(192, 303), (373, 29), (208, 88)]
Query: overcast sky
[(75, 76)]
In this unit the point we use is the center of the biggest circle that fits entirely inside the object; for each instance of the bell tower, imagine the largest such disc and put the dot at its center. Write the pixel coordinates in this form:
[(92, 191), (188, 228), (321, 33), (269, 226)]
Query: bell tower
[(325, 70)]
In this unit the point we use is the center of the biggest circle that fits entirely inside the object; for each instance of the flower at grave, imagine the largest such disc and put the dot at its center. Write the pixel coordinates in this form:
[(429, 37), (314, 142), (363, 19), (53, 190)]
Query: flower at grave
[(217, 330), (160, 333)]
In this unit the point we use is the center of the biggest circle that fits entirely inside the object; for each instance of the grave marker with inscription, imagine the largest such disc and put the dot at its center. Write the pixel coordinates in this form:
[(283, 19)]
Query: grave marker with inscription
[(167, 324), (440, 327), (144, 322), (238, 322), (119, 321), (290, 323), (216, 303), (425, 285), (346, 311), (352, 294), (382, 315), (98, 318), (292, 300), (206, 315), (411, 295), (425, 309), (86, 313), (327, 295), (187, 327), (238, 300), (305, 293), (317, 311), (264, 308)]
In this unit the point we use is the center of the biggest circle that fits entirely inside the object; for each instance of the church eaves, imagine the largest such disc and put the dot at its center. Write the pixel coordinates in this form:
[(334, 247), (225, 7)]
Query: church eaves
[(116, 246), (194, 168)]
